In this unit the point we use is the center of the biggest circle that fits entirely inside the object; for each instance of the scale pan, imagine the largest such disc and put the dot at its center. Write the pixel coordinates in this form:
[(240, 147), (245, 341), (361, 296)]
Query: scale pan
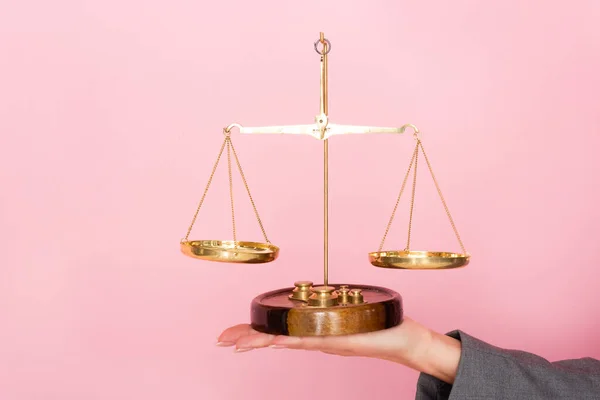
[(230, 251), (418, 259)]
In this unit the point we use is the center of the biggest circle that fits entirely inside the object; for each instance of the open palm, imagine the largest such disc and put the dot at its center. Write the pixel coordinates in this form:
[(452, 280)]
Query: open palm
[(409, 344), (381, 344)]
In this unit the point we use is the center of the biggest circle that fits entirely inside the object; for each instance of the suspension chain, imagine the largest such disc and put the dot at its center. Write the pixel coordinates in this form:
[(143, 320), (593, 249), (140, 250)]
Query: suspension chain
[(414, 160), (412, 198), (230, 149), (212, 174), (442, 198), (228, 140), (239, 165), (387, 229)]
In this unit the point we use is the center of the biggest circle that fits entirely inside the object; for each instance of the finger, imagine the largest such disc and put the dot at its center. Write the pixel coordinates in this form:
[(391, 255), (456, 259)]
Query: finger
[(297, 342), (340, 345), (231, 335), (253, 341)]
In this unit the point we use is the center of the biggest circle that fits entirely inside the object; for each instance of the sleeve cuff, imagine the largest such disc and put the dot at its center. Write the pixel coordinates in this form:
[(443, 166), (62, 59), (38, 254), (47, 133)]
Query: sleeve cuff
[(431, 388)]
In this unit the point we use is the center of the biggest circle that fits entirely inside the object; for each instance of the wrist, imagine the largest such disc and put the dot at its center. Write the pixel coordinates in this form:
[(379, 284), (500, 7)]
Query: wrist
[(422, 349), (427, 351), (441, 357)]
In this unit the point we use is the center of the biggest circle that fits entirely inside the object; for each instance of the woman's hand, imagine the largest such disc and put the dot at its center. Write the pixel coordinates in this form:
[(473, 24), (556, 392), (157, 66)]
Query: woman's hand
[(409, 344)]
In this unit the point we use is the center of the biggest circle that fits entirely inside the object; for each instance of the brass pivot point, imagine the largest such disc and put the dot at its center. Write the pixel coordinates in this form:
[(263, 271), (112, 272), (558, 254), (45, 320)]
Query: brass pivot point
[(302, 290), (356, 296), (323, 296)]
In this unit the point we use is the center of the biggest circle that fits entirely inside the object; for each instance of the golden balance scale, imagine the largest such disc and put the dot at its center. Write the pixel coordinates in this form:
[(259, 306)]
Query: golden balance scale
[(327, 309)]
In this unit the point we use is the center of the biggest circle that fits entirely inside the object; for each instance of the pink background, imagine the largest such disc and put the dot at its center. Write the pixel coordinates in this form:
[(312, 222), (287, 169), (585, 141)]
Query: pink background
[(110, 118)]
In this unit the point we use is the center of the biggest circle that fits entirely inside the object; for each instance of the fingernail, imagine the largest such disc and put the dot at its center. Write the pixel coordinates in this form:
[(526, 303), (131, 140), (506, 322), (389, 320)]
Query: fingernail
[(243, 350), (225, 344)]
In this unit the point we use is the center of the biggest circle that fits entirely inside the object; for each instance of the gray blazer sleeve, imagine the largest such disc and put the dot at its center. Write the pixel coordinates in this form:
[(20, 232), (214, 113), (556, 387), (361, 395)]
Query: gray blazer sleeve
[(491, 373)]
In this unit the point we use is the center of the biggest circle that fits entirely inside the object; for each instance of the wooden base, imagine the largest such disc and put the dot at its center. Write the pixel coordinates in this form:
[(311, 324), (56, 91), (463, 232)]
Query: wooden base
[(275, 313)]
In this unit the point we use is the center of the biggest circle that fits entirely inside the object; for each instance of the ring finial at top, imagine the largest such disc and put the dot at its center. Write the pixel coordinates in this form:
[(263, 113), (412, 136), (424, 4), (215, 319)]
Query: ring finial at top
[(326, 45)]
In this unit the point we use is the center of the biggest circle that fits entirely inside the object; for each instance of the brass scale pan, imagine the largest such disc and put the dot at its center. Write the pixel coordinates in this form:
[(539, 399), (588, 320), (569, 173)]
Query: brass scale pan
[(229, 251)]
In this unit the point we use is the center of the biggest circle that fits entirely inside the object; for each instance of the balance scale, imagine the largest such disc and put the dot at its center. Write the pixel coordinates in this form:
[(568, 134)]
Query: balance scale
[(326, 309)]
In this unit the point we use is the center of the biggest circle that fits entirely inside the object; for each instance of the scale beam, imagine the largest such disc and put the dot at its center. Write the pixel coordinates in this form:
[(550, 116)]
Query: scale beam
[(321, 130)]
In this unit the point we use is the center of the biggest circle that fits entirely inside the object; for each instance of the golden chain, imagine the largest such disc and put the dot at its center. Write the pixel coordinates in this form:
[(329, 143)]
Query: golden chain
[(228, 139), (414, 161), (442, 198), (412, 199), (249, 194), (230, 149), (387, 229), (212, 174)]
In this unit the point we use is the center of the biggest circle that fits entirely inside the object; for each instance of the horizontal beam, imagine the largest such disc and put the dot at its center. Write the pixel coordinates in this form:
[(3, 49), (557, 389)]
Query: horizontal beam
[(320, 130)]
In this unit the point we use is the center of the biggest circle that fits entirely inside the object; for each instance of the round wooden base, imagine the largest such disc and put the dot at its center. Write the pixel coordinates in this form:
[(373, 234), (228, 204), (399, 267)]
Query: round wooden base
[(275, 313)]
